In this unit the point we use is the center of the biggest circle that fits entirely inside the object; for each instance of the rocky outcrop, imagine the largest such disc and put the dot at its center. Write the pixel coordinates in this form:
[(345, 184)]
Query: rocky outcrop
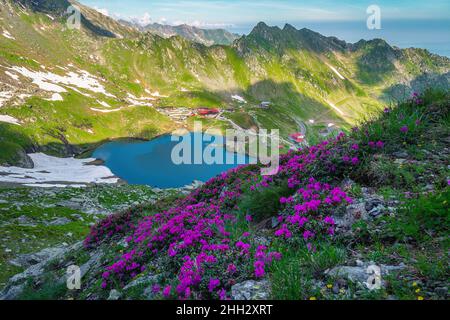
[(36, 264), (362, 271)]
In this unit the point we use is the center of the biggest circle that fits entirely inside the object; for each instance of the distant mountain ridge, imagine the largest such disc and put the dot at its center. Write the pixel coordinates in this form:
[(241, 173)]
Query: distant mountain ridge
[(207, 37)]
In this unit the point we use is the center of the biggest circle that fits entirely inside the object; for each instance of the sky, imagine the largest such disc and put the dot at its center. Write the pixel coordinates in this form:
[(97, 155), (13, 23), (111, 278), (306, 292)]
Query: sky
[(405, 23), (213, 13)]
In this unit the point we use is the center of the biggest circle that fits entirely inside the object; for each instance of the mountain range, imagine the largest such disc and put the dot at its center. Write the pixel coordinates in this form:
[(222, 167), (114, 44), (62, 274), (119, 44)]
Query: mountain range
[(207, 37), (65, 91)]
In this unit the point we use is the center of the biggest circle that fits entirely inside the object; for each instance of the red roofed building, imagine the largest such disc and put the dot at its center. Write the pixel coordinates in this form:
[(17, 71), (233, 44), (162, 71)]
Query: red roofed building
[(297, 137), (206, 111)]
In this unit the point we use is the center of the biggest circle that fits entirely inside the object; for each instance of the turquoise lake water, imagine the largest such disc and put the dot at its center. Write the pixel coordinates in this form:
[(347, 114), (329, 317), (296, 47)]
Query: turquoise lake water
[(150, 162)]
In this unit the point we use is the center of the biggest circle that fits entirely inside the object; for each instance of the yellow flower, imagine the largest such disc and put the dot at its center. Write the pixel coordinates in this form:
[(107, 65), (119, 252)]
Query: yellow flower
[(329, 286), (312, 298), (342, 290), (414, 284), (417, 290), (419, 298)]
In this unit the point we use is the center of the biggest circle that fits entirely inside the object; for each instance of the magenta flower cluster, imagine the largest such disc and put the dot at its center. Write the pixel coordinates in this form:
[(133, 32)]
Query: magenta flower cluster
[(193, 237), (307, 214)]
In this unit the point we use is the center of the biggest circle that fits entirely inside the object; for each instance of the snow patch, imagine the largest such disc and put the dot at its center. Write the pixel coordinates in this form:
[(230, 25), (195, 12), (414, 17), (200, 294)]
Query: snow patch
[(106, 111), (48, 185), (56, 97), (104, 104), (142, 101), (156, 94), (5, 96), (337, 72), (12, 75), (48, 81), (50, 170), (238, 98), (9, 119), (8, 35)]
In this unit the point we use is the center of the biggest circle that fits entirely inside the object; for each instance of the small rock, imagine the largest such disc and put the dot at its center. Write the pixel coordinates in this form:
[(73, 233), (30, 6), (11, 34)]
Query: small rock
[(360, 274), (335, 288), (114, 295), (25, 221), (353, 213), (148, 280), (441, 291), (59, 221), (251, 290), (400, 154), (27, 260), (275, 222)]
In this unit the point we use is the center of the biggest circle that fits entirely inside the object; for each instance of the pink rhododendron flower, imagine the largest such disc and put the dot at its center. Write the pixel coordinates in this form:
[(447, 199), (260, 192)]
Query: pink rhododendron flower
[(166, 291), (213, 283)]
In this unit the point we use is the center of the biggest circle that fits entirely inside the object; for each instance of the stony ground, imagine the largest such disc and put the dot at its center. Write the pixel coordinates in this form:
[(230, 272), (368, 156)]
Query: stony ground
[(32, 219)]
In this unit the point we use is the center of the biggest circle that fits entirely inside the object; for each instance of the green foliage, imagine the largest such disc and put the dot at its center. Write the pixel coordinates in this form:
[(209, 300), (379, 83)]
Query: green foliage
[(424, 217), (49, 290), (292, 276), (264, 203)]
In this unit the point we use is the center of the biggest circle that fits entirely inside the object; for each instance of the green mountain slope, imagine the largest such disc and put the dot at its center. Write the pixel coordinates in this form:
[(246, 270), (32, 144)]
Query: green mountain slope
[(70, 90)]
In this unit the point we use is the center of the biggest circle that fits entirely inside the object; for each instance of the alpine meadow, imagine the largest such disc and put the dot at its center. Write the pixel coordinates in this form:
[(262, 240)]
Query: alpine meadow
[(93, 205)]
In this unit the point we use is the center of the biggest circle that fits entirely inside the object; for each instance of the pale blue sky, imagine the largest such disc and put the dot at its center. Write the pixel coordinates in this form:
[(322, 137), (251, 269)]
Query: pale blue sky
[(244, 12)]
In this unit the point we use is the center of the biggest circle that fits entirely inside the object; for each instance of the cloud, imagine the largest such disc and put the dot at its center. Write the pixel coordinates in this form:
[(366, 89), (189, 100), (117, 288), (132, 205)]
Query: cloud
[(202, 24), (103, 11), (146, 19)]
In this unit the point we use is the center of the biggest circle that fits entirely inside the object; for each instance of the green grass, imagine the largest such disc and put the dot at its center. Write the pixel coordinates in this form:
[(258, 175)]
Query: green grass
[(292, 277), (423, 218), (263, 203)]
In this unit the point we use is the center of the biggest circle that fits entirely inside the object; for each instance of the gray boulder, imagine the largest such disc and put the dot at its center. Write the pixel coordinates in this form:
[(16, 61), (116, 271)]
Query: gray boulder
[(251, 290)]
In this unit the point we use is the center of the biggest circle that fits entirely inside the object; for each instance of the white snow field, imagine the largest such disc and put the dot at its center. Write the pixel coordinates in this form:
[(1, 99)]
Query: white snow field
[(51, 171), (48, 81), (9, 119)]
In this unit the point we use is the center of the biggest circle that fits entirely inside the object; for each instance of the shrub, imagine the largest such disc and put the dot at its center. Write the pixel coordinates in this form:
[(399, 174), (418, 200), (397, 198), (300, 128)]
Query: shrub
[(264, 202), (426, 216)]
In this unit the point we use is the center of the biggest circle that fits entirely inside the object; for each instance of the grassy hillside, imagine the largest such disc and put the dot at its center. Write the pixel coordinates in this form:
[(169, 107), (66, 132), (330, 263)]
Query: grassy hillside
[(305, 75), (375, 196)]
